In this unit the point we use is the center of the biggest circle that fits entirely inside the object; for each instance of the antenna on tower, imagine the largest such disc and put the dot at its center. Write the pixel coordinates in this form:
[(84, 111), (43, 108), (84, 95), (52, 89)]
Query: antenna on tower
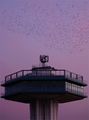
[(44, 59)]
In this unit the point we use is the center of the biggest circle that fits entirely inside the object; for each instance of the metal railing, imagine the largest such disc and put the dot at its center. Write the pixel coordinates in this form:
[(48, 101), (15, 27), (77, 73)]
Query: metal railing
[(78, 91), (72, 88), (17, 74), (56, 72), (73, 76)]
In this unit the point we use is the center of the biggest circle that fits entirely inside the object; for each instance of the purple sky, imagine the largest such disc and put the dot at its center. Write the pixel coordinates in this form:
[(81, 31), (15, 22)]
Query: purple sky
[(58, 28)]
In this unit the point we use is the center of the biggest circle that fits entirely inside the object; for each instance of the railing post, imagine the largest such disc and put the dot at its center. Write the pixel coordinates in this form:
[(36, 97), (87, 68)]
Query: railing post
[(22, 72), (10, 77), (16, 75), (64, 73), (70, 74), (5, 78), (76, 76), (82, 78)]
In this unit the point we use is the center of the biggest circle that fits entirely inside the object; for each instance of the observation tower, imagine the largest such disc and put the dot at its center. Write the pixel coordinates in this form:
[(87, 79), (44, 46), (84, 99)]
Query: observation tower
[(44, 87)]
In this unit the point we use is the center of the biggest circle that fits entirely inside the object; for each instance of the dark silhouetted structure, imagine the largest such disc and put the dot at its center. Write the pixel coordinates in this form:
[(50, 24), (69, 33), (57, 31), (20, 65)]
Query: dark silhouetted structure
[(44, 87)]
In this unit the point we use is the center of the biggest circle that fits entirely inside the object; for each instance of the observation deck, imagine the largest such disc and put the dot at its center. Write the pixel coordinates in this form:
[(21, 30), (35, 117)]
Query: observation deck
[(50, 82), (44, 82)]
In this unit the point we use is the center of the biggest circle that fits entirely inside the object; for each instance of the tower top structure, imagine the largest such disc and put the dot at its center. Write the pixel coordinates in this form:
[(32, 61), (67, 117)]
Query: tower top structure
[(44, 87), (44, 59), (59, 84)]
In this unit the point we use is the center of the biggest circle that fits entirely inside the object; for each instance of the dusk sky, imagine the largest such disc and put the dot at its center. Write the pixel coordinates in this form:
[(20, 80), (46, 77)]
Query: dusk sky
[(58, 28)]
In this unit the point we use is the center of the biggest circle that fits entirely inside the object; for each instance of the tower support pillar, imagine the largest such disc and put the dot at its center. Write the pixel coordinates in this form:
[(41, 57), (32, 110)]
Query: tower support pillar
[(44, 110)]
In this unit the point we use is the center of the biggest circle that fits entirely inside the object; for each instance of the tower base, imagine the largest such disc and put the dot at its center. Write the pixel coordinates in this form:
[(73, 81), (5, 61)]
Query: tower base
[(44, 110)]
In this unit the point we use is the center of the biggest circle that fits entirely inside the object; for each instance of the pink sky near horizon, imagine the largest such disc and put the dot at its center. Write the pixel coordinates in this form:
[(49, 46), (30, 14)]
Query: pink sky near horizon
[(58, 28)]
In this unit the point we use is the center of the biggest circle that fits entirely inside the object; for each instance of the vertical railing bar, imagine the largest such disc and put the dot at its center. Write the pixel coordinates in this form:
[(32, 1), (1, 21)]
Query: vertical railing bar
[(23, 72), (64, 73), (70, 74), (5, 78), (16, 75), (11, 77)]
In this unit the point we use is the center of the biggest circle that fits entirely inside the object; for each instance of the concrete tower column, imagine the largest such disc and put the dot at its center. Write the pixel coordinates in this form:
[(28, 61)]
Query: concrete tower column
[(44, 110)]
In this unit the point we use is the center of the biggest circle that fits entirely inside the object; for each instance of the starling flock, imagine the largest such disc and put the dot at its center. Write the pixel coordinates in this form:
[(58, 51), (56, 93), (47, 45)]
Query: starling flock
[(64, 27)]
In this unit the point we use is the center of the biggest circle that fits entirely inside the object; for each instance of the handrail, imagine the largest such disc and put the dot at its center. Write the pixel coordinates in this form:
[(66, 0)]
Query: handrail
[(55, 72)]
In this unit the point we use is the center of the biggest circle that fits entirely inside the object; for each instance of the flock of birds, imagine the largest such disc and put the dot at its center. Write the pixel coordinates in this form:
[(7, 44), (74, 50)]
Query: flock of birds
[(55, 26)]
